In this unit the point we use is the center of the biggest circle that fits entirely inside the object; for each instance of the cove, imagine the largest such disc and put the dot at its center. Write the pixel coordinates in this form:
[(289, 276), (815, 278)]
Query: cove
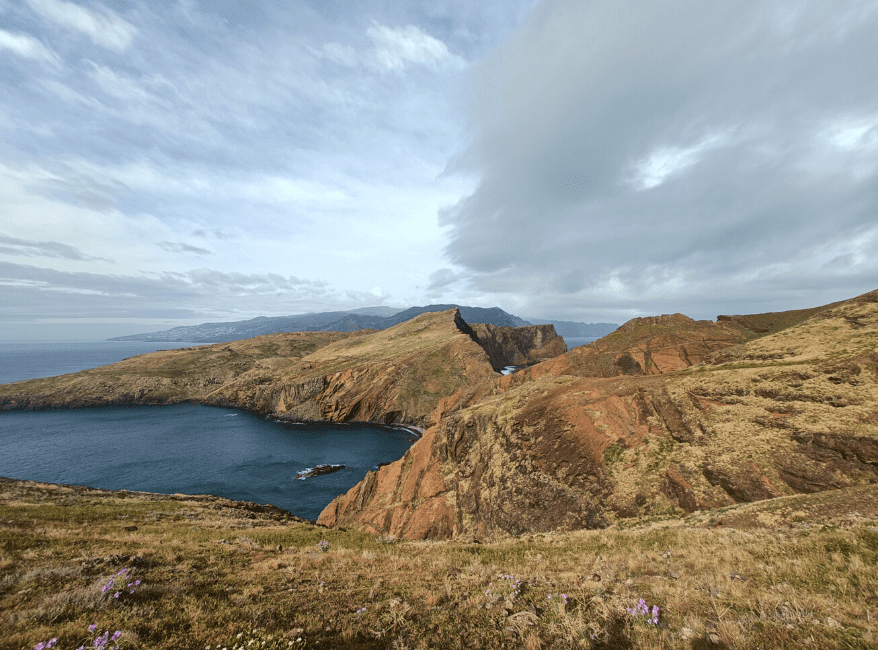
[(194, 449)]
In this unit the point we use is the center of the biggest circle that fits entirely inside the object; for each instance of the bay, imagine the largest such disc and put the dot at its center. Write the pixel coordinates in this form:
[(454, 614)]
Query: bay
[(194, 449), (185, 448), (575, 342)]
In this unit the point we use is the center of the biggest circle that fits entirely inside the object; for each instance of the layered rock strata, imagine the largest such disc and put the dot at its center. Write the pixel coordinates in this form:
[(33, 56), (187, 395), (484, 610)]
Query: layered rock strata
[(518, 346), (664, 416), (570, 443)]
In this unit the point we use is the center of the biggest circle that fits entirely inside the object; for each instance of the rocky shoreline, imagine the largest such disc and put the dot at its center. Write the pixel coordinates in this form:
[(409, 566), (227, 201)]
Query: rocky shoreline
[(416, 431)]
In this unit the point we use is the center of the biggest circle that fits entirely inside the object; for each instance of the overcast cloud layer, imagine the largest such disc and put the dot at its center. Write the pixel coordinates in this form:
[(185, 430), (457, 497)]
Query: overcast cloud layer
[(706, 157), (171, 163)]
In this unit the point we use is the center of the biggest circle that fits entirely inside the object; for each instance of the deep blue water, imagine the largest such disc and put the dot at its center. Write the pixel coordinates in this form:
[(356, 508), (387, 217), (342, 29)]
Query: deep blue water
[(31, 360), (184, 448)]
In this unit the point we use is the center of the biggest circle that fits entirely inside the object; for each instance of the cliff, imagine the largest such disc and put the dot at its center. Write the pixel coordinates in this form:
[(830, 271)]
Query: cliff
[(581, 440), (518, 346), (666, 415), (408, 374), (654, 345)]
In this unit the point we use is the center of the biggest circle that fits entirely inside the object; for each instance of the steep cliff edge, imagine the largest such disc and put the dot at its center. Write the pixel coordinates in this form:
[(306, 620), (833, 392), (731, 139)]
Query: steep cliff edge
[(664, 416), (408, 374), (398, 375), (655, 345), (518, 346), (549, 449)]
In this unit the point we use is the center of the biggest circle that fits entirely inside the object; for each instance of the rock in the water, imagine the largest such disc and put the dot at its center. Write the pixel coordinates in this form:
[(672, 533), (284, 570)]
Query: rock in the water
[(318, 470)]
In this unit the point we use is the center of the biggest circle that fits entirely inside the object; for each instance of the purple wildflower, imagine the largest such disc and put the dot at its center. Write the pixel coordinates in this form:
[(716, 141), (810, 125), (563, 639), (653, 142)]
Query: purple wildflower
[(642, 610)]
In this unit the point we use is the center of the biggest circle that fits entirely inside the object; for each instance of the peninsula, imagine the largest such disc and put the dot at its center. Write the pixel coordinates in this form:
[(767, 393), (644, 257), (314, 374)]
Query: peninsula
[(724, 472), (664, 416)]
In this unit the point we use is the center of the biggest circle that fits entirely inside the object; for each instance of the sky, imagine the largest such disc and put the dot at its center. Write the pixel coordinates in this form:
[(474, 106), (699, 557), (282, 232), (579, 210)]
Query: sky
[(174, 162)]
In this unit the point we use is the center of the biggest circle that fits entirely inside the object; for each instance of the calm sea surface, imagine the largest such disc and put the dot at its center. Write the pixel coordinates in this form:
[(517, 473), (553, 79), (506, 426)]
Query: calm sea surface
[(575, 342), (30, 360), (184, 448)]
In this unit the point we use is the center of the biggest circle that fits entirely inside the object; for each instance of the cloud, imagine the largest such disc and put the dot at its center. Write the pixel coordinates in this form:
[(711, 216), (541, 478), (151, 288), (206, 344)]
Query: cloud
[(70, 183), (28, 292), (27, 248), (179, 247), (671, 155), (338, 53), (118, 85), (216, 233), (663, 162), (26, 46), (395, 48), (103, 26)]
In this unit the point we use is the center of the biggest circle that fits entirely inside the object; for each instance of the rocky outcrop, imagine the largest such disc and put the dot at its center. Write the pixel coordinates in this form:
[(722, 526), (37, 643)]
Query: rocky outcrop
[(318, 470), (665, 415), (408, 374), (518, 346), (559, 446), (482, 472), (656, 345)]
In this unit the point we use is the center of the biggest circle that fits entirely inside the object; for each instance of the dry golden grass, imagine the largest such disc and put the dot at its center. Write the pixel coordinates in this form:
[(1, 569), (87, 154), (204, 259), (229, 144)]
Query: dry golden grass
[(755, 409), (794, 572)]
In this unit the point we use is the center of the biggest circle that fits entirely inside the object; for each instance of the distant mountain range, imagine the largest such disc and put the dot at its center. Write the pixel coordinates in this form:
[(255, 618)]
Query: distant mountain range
[(377, 318)]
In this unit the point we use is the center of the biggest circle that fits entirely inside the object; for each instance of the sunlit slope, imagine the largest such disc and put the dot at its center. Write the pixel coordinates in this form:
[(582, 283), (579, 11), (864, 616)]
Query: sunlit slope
[(409, 373), (400, 375), (794, 572), (166, 376), (550, 449)]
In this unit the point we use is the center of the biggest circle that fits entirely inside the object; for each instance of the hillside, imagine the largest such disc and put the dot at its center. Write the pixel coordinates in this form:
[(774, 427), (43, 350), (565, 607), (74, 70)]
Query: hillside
[(665, 416), (407, 374), (793, 572), (724, 472)]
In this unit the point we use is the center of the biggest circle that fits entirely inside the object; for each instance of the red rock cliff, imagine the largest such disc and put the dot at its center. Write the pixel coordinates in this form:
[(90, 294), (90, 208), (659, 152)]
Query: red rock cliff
[(570, 443), (518, 346)]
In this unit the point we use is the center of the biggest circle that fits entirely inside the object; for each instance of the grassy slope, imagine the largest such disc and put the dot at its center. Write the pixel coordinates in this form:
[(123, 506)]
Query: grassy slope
[(396, 375), (174, 375), (794, 572), (759, 415), (797, 571)]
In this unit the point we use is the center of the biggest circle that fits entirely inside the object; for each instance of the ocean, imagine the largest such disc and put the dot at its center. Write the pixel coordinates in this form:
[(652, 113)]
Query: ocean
[(575, 342), (185, 448)]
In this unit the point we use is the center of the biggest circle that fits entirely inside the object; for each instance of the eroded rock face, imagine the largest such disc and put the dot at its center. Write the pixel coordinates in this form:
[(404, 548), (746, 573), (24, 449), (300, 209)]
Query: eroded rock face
[(539, 455), (559, 446), (408, 374), (656, 345), (407, 498), (518, 346), (664, 416), (477, 473)]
